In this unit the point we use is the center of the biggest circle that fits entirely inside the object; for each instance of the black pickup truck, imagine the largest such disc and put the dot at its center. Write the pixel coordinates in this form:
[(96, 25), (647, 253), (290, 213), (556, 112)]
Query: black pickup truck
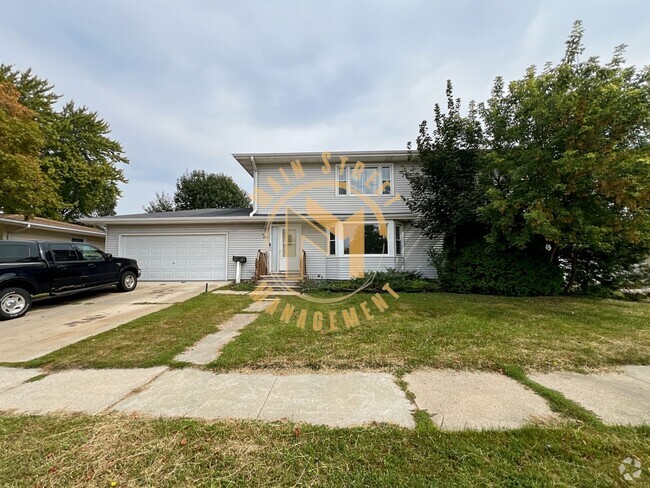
[(29, 268)]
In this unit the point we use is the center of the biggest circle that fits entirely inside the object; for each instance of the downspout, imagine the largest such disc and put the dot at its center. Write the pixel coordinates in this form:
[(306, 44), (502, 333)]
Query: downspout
[(255, 195)]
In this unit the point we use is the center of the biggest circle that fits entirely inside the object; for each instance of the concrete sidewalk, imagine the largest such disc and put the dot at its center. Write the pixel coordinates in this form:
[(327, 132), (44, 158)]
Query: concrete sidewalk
[(621, 397), (209, 348), (456, 400), (336, 400)]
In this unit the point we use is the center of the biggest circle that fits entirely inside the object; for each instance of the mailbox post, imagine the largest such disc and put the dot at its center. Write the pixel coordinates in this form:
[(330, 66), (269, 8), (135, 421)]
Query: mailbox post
[(239, 260)]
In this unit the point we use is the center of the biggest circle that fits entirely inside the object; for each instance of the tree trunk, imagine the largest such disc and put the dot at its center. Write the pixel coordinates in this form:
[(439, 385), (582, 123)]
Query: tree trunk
[(572, 273)]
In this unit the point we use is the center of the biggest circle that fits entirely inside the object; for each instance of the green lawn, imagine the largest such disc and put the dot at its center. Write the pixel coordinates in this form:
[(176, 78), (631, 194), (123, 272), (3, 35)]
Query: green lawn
[(151, 340), (109, 451), (438, 330), (451, 331), (428, 329), (242, 286)]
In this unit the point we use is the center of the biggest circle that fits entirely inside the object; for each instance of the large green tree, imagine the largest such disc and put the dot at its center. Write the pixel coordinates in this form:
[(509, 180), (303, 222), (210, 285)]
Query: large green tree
[(84, 160), (76, 152), (198, 189), (559, 169), (570, 149), (444, 190), (24, 187), (162, 203)]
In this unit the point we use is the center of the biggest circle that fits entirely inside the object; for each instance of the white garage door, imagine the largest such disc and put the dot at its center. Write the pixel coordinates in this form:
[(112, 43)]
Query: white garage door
[(178, 257)]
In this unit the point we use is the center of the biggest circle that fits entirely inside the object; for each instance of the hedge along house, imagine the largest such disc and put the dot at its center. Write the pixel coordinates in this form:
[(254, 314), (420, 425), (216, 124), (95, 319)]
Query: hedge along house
[(322, 215)]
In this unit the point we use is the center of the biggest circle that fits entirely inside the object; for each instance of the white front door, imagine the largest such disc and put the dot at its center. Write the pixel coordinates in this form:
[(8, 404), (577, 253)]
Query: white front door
[(286, 248)]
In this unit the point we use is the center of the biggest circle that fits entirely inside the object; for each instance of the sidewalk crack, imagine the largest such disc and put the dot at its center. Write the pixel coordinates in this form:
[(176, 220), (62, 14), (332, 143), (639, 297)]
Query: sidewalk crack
[(635, 378), (135, 391), (266, 399)]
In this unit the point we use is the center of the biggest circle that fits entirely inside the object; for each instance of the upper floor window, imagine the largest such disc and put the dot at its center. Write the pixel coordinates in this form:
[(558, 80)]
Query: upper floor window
[(364, 180)]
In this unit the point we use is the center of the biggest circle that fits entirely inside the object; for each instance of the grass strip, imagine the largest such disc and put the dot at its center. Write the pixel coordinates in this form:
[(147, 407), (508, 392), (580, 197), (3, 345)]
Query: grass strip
[(557, 402)]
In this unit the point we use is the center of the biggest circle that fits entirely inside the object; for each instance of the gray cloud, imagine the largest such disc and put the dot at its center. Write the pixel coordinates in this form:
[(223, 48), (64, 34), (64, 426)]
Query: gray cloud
[(184, 84)]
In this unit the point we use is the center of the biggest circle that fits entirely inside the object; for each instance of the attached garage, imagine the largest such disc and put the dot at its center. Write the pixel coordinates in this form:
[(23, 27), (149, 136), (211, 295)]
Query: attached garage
[(178, 257), (187, 245)]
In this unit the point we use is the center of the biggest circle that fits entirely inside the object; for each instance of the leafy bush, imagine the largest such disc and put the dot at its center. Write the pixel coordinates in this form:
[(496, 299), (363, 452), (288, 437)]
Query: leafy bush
[(400, 281), (481, 268)]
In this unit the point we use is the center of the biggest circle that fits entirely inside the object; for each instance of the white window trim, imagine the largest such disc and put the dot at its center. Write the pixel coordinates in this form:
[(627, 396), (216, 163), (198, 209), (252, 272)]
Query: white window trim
[(340, 242), (401, 238), (348, 186), (327, 240)]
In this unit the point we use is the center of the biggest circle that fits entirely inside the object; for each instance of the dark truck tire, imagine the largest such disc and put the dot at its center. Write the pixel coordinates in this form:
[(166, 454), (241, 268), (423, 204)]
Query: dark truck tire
[(14, 302), (128, 281)]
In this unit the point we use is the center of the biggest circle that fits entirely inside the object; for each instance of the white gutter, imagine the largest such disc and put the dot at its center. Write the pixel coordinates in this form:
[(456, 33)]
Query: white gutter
[(52, 227), (351, 154), (256, 219), (244, 219), (255, 195)]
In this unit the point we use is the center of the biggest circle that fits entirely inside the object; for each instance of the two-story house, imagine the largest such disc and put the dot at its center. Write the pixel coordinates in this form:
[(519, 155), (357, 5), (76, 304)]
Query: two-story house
[(323, 215)]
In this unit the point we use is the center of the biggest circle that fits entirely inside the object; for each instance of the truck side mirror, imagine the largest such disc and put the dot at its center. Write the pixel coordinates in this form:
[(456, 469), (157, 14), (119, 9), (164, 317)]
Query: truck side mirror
[(108, 256)]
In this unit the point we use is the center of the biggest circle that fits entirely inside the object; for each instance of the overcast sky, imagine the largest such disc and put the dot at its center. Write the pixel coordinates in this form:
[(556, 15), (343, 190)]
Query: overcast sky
[(184, 84)]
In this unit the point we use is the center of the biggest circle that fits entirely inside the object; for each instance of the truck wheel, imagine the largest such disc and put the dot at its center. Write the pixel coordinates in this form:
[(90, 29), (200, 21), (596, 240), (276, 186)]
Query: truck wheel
[(128, 281), (14, 303)]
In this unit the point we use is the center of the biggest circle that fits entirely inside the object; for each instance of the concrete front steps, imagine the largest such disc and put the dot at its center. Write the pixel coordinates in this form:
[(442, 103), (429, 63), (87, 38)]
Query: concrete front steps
[(280, 282)]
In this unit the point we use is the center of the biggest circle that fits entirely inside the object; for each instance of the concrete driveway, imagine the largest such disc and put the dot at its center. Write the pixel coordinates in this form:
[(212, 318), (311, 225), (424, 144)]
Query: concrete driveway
[(55, 322)]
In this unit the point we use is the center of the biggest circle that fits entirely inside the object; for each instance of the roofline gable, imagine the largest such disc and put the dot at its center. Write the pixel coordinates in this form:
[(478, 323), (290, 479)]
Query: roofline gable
[(250, 160)]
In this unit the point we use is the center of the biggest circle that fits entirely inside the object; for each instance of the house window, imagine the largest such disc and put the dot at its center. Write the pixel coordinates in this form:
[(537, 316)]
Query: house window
[(386, 182), (342, 180), (77, 239), (372, 241), (365, 180), (398, 240), (331, 241)]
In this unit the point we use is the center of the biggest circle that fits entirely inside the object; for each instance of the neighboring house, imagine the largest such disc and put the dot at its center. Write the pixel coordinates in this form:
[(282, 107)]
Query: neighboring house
[(307, 206), (15, 228)]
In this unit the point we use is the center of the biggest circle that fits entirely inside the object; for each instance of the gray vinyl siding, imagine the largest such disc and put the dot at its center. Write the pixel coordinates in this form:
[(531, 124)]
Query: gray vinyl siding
[(314, 244), (416, 257), (416, 251), (321, 188), (243, 239), (246, 240), (332, 269)]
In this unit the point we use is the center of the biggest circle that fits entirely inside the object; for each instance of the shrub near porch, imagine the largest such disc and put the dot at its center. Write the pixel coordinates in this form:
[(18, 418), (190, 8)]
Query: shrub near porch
[(449, 331)]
